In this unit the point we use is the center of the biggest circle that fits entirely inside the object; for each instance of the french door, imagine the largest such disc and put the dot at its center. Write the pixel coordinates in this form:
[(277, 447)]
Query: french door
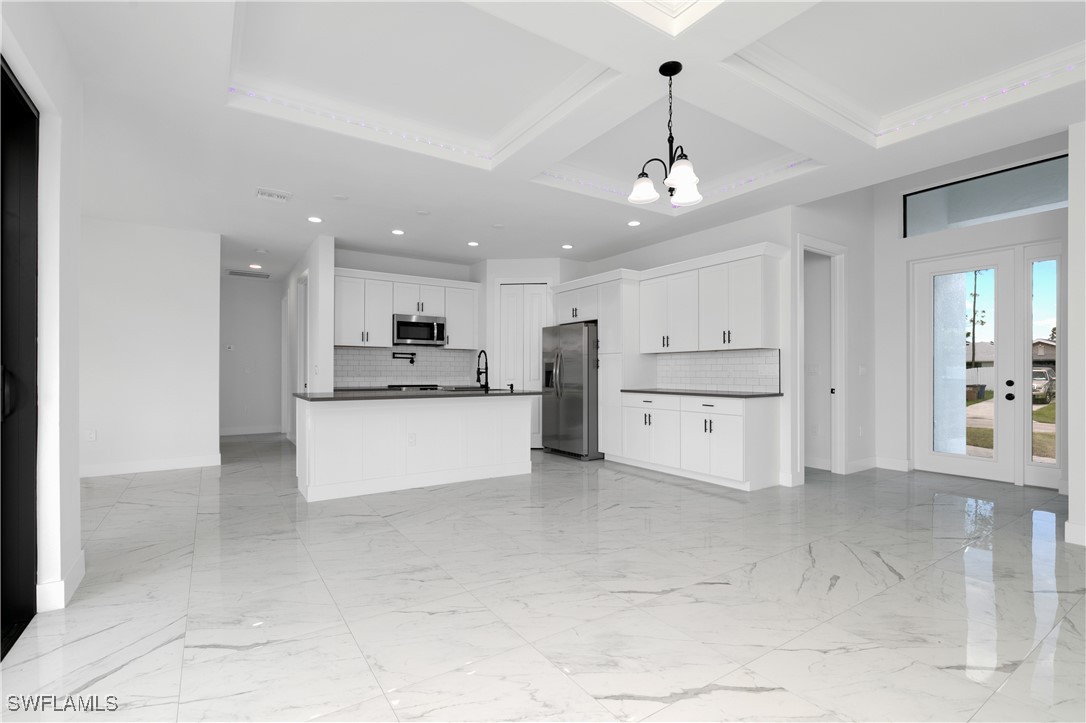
[(986, 395)]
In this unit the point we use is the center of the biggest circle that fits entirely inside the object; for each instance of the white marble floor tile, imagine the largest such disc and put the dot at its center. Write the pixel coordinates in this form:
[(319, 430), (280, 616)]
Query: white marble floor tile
[(518, 685), (409, 645), (857, 679), (632, 663), (742, 695), (580, 591), (536, 606)]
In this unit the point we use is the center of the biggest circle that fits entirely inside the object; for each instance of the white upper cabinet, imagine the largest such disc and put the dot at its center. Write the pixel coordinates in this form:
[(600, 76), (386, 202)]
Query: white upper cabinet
[(418, 299), (577, 305), (738, 305), (669, 313), (460, 319), (363, 312), (350, 310), (378, 312)]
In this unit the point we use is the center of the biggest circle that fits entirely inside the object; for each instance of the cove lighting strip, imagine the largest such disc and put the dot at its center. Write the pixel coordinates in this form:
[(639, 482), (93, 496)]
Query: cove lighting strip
[(755, 178), (351, 120), (587, 184), (982, 98)]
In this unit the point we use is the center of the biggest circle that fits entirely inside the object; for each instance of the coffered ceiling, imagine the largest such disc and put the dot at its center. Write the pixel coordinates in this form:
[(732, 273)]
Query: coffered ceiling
[(521, 125)]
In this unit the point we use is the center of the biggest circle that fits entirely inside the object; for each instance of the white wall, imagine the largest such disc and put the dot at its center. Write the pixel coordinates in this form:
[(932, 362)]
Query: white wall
[(36, 53), (816, 361), (845, 221), (1075, 336), (317, 265), (148, 348), (771, 227), (366, 261), (893, 255), (250, 350)]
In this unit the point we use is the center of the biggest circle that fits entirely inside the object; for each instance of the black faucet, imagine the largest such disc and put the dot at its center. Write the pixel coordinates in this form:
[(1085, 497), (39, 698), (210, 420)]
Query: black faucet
[(482, 370)]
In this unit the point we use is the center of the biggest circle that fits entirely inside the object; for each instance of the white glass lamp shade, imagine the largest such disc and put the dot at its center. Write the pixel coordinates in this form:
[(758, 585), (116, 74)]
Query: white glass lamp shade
[(682, 174), (643, 191), (686, 195)]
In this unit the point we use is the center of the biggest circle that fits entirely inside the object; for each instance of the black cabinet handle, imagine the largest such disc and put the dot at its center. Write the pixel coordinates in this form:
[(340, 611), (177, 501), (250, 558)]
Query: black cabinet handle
[(644, 419), (705, 425), (710, 426), (650, 420), (662, 338), (1010, 397), (723, 337), (729, 336), (668, 341)]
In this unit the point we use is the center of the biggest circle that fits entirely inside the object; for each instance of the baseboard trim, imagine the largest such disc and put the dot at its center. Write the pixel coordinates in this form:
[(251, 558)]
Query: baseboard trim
[(236, 431), (149, 465), (55, 595), (859, 465), (898, 465), (1074, 533), (746, 486)]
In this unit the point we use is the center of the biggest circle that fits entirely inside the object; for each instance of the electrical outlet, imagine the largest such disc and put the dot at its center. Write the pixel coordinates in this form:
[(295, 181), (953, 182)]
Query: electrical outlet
[(92, 435), (230, 347)]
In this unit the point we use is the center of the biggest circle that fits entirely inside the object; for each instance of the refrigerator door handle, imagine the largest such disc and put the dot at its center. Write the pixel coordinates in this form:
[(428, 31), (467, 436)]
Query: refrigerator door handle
[(558, 373)]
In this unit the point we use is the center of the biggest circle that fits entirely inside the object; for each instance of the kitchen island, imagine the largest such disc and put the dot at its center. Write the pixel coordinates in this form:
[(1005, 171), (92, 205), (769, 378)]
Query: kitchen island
[(360, 442)]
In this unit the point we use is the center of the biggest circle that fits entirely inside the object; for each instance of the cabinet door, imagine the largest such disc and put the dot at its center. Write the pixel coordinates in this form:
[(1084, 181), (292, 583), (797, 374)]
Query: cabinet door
[(746, 303), (384, 445), (726, 446), (682, 312), (588, 304), (432, 300), (350, 311), (405, 299), (610, 317), (636, 434), (460, 318), (565, 303), (609, 415), (666, 432), (714, 305), (378, 313), (695, 445), (653, 315)]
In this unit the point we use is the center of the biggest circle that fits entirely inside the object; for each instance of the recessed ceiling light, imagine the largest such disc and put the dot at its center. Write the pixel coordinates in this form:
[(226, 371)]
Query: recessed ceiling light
[(423, 213), (498, 225), (255, 266), (262, 251), (567, 246), (397, 232), (633, 223), (473, 243), (339, 197), (314, 219)]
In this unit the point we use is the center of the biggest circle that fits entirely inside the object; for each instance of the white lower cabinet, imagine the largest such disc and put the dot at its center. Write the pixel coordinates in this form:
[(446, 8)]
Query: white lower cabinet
[(728, 441)]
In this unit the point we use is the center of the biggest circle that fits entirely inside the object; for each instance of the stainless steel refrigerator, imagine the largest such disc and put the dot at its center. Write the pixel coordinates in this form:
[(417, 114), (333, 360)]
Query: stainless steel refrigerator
[(570, 391)]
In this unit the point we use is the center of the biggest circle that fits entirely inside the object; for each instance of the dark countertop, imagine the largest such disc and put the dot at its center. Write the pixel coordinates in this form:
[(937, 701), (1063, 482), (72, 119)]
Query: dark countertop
[(360, 395), (696, 393)]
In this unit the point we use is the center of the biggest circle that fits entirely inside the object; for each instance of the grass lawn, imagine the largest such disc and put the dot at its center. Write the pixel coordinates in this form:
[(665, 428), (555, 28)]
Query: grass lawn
[(1044, 443), (1046, 414), (988, 394)]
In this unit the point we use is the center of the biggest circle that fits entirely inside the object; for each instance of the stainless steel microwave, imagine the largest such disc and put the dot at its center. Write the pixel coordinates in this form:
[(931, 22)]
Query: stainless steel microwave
[(424, 330)]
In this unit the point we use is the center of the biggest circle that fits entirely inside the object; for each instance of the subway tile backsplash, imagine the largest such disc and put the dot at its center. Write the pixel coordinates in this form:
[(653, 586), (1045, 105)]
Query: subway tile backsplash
[(749, 370), (362, 367)]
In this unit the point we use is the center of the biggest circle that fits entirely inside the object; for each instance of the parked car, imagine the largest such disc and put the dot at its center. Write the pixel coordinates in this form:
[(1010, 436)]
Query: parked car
[(1044, 385)]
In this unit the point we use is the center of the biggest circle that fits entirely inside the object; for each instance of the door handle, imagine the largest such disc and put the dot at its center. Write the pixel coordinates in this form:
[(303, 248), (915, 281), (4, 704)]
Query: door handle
[(1010, 397), (558, 373), (9, 398)]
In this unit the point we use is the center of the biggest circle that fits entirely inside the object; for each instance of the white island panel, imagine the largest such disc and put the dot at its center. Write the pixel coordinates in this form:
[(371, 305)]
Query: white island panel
[(348, 448)]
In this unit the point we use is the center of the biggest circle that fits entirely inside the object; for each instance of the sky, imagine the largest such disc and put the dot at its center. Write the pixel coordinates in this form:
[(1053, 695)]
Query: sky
[(1044, 300)]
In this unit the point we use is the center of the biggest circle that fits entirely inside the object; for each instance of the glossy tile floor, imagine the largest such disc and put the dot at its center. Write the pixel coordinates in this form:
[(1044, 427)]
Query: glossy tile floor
[(581, 592)]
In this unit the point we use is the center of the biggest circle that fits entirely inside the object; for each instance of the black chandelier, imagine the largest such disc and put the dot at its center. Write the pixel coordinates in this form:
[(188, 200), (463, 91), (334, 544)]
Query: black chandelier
[(679, 177)]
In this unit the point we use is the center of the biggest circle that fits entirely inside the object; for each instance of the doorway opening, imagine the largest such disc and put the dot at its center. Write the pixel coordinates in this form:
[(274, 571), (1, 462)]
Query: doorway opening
[(19, 360)]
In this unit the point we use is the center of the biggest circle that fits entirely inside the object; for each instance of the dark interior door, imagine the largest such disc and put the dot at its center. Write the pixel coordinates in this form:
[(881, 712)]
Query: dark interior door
[(19, 358)]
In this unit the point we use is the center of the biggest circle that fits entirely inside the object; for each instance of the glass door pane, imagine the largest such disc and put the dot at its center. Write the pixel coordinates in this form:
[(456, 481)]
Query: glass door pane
[(964, 363), (1044, 372)]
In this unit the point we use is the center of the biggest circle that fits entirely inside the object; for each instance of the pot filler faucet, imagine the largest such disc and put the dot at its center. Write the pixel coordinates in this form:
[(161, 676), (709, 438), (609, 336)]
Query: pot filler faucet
[(482, 371)]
